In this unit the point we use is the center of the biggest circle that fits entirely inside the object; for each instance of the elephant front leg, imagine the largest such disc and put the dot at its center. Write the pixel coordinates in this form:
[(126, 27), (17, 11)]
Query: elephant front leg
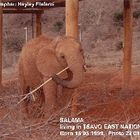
[(50, 91), (25, 103)]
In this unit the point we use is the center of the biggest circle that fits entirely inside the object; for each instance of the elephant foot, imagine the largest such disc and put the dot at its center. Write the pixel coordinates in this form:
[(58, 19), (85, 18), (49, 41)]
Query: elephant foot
[(50, 113), (25, 112), (25, 116)]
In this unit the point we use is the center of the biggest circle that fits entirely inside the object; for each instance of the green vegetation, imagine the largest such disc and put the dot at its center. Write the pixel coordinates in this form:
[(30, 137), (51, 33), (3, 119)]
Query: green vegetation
[(136, 14), (58, 26), (14, 44), (118, 17), (119, 46)]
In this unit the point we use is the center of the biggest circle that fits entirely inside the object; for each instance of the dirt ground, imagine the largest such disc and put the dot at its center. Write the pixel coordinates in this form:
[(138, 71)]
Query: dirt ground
[(100, 99)]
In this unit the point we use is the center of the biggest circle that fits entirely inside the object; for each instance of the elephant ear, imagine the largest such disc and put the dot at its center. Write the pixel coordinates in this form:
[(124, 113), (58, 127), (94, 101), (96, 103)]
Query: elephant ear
[(47, 63)]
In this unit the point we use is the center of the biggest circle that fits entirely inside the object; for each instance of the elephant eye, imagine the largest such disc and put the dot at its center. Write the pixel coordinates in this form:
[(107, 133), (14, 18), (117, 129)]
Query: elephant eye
[(63, 56), (81, 50)]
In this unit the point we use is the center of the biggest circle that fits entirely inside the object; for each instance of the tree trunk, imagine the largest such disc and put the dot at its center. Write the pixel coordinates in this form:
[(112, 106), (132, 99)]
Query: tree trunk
[(127, 43), (72, 11)]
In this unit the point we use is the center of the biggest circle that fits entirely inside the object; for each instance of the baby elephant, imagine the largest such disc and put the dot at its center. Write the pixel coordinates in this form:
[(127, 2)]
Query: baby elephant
[(43, 57)]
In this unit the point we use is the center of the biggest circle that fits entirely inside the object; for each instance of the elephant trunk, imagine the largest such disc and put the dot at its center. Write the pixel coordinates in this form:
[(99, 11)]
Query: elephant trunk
[(77, 74)]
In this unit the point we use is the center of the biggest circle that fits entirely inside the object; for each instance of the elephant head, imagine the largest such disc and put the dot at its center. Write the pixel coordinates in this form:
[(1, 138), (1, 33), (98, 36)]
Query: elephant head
[(63, 52)]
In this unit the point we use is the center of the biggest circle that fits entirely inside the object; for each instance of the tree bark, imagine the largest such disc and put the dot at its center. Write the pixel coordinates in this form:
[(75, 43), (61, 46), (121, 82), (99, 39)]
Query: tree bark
[(72, 12), (1, 33), (128, 18), (38, 25)]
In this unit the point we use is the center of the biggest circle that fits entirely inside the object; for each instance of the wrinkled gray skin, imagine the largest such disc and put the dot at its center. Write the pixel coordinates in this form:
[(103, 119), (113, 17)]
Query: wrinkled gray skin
[(43, 57)]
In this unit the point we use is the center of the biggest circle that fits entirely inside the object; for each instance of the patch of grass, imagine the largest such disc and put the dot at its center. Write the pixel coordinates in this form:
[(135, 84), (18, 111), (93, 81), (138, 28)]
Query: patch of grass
[(136, 14), (58, 26), (119, 46), (118, 18), (14, 44)]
